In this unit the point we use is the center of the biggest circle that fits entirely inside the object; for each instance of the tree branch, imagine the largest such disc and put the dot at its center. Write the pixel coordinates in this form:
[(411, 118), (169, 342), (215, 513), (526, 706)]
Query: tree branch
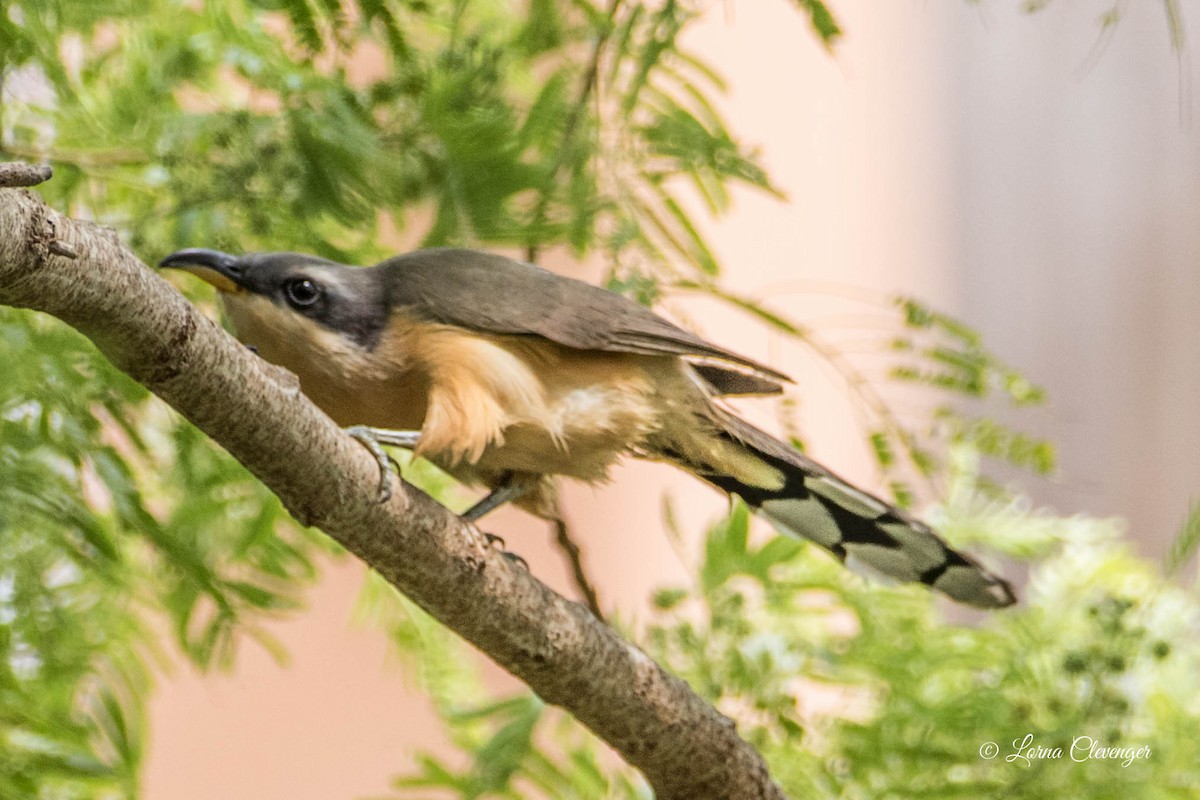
[(14, 174), (686, 749)]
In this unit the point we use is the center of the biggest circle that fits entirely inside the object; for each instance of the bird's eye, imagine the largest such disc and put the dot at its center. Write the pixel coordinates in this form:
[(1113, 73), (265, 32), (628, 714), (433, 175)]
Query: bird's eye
[(302, 292)]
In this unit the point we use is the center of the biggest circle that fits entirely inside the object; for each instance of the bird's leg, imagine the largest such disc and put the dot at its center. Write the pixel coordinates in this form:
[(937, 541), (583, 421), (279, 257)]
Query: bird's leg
[(373, 439), (509, 490)]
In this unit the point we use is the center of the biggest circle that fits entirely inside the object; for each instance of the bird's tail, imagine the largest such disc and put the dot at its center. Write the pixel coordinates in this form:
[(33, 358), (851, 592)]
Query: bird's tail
[(804, 499)]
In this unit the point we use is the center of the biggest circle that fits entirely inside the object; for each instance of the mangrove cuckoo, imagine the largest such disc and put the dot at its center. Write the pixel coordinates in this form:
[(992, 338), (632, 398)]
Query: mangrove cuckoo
[(507, 375)]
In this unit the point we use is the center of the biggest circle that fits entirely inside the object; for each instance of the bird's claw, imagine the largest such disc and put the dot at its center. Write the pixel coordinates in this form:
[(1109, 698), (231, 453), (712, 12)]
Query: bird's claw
[(516, 559), (492, 540), (366, 437)]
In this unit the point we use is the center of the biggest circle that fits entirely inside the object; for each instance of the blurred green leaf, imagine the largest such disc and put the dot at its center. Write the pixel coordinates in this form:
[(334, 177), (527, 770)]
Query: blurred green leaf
[(1186, 540), (823, 21)]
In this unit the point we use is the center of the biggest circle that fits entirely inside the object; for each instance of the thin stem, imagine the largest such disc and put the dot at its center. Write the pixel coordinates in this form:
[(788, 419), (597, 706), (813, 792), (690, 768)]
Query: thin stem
[(574, 557), (113, 158), (590, 79)]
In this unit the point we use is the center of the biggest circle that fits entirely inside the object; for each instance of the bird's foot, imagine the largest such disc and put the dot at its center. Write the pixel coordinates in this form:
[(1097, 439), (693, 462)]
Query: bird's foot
[(373, 439)]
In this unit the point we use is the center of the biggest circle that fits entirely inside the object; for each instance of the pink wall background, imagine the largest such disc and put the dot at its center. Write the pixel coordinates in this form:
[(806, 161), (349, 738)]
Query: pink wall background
[(965, 154)]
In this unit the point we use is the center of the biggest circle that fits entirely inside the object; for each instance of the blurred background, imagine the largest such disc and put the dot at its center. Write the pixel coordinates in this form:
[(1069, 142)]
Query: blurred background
[(1037, 175)]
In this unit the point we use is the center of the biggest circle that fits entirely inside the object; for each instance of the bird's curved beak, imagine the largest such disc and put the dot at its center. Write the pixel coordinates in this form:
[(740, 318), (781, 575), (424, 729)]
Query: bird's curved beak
[(222, 270)]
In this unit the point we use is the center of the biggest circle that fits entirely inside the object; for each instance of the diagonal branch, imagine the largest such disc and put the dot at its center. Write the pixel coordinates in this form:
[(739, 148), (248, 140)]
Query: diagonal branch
[(685, 748)]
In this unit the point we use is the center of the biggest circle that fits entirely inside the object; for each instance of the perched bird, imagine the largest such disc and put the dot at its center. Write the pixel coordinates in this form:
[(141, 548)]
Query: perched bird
[(507, 375)]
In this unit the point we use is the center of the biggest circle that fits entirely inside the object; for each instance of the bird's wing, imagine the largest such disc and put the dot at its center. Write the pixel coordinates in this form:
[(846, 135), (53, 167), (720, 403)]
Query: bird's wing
[(494, 294)]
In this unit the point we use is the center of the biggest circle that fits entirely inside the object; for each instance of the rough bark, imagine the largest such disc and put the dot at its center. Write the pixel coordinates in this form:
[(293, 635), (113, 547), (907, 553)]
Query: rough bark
[(81, 274), (17, 174)]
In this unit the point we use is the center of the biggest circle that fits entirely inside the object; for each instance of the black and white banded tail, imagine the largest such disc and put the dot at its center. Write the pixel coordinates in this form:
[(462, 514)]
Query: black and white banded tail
[(804, 499)]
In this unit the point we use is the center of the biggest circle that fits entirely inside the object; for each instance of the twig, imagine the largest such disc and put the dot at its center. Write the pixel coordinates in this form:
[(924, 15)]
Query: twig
[(590, 77), (78, 158), (61, 248), (685, 748), (14, 174), (574, 556)]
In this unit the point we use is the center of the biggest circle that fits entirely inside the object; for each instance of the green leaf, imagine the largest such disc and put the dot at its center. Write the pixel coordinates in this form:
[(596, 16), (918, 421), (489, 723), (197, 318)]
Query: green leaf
[(666, 599), (1185, 541), (823, 22), (882, 448)]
